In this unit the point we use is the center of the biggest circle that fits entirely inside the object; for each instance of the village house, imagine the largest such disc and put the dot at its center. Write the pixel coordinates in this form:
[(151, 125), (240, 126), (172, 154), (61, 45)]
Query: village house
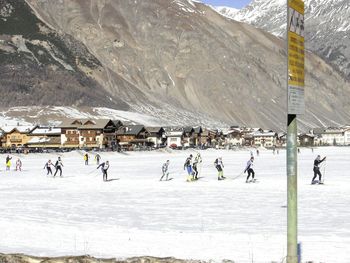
[(2, 137), (208, 138), (188, 140), (233, 137), (175, 137), (87, 133), (281, 139), (156, 136), (16, 136), (44, 137), (197, 132), (346, 135), (265, 139), (330, 136), (130, 137), (306, 140)]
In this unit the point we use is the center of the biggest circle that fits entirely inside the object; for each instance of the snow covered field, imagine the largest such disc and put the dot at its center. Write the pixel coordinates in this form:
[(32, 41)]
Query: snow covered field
[(136, 215)]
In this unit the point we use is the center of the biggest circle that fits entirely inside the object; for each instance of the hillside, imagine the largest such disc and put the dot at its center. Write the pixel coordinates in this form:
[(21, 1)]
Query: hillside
[(180, 58)]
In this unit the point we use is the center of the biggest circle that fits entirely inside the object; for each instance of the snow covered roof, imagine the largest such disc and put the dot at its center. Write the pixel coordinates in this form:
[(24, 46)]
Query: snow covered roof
[(40, 140), (46, 131), (21, 129), (174, 133), (265, 134)]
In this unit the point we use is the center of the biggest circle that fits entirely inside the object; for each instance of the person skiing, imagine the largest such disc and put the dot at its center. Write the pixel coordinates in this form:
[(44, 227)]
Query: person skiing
[(18, 165), (58, 166), (188, 166), (250, 170), (197, 160), (165, 169), (97, 158), (316, 169), (8, 162), (48, 167), (104, 168), (86, 158), (220, 167)]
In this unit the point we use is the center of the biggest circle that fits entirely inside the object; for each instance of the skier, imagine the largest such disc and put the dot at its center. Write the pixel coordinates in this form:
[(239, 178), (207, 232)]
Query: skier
[(18, 165), (197, 160), (58, 166), (97, 158), (316, 169), (257, 152), (165, 168), (48, 167), (8, 163), (249, 169), (104, 168), (220, 167), (86, 159), (188, 166)]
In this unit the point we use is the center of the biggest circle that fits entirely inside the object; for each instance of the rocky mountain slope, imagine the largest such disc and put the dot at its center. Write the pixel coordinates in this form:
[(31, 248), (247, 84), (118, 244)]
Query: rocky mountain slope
[(170, 57), (327, 26)]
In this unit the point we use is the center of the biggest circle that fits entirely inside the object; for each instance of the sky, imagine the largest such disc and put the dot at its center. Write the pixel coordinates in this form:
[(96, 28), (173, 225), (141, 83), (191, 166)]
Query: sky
[(231, 3)]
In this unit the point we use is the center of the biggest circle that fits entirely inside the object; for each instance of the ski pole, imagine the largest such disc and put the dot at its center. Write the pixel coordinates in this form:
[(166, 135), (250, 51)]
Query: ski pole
[(324, 170)]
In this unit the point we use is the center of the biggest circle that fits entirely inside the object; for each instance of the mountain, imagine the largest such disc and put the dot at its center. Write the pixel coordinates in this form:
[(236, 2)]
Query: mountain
[(227, 11), (327, 26), (176, 60)]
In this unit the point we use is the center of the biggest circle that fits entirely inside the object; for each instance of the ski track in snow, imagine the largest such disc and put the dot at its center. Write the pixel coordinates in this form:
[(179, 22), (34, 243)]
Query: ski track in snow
[(137, 215)]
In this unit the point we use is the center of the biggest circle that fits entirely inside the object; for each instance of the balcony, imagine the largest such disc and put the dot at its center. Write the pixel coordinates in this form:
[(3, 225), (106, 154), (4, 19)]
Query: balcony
[(14, 140)]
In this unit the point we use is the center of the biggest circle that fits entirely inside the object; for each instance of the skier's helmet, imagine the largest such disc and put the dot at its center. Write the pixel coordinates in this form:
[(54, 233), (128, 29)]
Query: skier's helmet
[(191, 155)]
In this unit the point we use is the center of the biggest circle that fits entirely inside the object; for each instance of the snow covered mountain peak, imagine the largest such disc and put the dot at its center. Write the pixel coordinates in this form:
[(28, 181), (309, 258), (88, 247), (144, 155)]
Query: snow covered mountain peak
[(327, 26), (227, 11)]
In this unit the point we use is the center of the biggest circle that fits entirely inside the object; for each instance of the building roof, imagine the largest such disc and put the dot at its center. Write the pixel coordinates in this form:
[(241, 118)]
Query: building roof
[(174, 133), (154, 129), (85, 123), (198, 129), (188, 129), (130, 130), (264, 134), (40, 140), (329, 130), (21, 129), (45, 131)]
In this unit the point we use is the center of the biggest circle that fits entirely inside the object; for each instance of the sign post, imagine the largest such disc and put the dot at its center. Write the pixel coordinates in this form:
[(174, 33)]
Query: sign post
[(295, 105)]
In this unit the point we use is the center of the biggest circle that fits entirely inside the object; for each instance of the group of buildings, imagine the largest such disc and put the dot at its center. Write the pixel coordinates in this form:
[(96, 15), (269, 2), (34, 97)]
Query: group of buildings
[(111, 134)]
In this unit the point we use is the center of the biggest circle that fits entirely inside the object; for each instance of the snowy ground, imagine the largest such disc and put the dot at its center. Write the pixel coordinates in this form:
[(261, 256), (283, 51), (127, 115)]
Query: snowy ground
[(137, 215)]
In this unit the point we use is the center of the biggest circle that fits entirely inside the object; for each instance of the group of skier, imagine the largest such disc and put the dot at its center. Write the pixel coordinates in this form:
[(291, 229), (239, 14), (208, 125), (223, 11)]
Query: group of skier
[(9, 163), (191, 165), (58, 167)]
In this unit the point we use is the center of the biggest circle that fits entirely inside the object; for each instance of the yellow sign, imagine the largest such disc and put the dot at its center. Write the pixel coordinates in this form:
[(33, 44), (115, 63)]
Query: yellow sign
[(296, 57)]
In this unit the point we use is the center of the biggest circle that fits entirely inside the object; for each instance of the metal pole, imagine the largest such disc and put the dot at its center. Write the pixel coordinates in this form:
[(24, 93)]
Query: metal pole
[(292, 213)]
